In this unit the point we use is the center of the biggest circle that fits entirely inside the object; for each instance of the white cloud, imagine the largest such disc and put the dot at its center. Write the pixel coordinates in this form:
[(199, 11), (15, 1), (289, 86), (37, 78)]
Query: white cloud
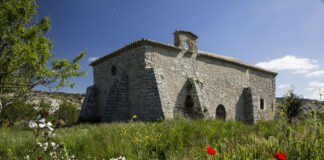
[(289, 62), (283, 86), (317, 95), (309, 89), (315, 73), (316, 84), (91, 59)]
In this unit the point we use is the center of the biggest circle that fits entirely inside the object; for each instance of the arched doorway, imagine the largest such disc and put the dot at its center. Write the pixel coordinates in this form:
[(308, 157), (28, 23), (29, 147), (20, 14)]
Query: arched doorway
[(220, 112)]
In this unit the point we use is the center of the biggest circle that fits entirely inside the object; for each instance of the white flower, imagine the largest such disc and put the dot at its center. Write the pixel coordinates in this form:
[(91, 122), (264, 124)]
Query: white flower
[(72, 157), (27, 157), (41, 120), (45, 146), (40, 144), (42, 125), (51, 154), (32, 124), (49, 126), (119, 158), (53, 144), (38, 117)]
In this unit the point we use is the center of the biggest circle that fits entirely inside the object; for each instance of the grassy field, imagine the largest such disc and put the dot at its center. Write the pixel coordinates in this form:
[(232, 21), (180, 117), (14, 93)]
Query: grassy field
[(177, 139)]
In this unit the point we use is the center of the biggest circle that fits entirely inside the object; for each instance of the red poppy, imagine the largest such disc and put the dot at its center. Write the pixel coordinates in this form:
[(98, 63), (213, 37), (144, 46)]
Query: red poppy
[(269, 151), (211, 150), (280, 156)]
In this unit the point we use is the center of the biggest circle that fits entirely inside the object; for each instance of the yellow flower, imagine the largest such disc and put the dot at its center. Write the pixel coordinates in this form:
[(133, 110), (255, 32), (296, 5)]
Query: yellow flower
[(134, 116)]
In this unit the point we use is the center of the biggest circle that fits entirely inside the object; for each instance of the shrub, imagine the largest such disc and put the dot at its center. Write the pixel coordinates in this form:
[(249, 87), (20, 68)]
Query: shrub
[(67, 112), (292, 105), (16, 111)]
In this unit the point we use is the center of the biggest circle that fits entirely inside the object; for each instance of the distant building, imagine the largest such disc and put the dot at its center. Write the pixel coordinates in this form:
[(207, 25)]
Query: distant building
[(151, 80)]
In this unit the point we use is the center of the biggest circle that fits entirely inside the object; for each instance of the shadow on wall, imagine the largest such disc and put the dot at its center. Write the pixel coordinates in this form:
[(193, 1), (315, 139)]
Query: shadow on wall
[(239, 108), (187, 103)]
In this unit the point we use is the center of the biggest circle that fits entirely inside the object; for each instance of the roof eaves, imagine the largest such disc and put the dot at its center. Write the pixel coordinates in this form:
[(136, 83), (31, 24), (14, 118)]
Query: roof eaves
[(133, 45), (235, 61)]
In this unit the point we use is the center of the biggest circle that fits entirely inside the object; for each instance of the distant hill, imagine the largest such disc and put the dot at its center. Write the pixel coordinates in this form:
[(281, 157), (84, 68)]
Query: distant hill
[(55, 98), (309, 105)]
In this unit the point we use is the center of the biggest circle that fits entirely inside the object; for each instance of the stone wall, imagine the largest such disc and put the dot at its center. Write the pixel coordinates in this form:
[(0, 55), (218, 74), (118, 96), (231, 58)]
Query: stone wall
[(222, 82), (127, 83)]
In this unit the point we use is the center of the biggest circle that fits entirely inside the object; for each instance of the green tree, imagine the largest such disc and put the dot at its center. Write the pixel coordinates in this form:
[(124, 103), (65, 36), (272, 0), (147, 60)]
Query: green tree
[(292, 105), (25, 51)]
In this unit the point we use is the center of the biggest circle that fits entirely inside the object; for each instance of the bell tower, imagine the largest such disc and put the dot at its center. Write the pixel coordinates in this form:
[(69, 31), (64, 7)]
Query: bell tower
[(181, 38)]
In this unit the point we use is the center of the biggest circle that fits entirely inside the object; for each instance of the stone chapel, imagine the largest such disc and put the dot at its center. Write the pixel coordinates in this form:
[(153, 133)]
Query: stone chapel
[(155, 80)]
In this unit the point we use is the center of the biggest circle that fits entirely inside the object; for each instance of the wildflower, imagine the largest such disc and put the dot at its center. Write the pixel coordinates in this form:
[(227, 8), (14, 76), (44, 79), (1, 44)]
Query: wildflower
[(52, 154), (269, 151), (26, 157), (72, 157), (280, 156), (41, 125), (49, 126), (41, 120), (39, 144), (119, 158), (134, 116), (211, 150), (53, 144), (45, 146), (38, 117), (32, 124)]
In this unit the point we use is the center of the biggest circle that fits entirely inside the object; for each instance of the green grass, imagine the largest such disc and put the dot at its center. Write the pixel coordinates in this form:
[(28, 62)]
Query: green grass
[(176, 139)]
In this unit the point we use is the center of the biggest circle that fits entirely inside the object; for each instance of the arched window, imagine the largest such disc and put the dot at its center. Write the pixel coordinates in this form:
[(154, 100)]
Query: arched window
[(220, 112), (113, 70), (189, 45)]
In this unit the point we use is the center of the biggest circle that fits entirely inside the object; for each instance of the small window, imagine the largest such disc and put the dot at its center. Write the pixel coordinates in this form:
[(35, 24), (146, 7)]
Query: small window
[(261, 104), (113, 70)]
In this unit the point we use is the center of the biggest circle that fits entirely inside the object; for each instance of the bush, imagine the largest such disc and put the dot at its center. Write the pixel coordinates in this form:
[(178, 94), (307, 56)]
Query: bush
[(292, 105), (16, 111), (67, 112)]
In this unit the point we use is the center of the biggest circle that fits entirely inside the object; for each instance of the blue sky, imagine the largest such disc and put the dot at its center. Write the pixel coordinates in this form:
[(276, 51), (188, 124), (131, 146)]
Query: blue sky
[(283, 36)]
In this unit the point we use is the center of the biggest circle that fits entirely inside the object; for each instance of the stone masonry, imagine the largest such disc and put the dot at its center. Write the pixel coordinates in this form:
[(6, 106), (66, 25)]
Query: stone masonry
[(154, 80)]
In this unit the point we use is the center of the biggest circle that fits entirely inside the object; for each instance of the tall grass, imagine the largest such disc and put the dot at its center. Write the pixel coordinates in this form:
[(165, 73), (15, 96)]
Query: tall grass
[(177, 139)]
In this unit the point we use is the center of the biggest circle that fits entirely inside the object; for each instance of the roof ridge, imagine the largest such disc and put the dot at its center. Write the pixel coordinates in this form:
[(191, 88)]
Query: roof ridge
[(141, 41)]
